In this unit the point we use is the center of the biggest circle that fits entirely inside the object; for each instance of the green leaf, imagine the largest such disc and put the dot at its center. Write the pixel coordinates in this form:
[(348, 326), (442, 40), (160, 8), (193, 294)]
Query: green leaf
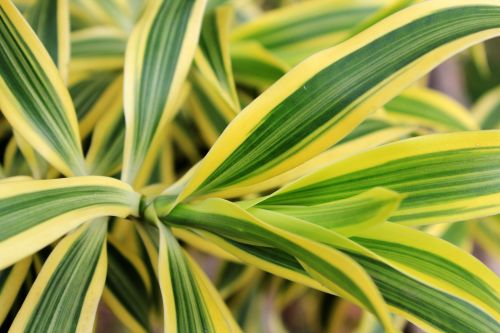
[(34, 213), (326, 96), (33, 97), (445, 177), (66, 293), (158, 56)]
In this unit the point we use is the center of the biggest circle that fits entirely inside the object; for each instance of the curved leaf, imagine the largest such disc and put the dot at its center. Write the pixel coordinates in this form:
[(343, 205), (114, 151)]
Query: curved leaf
[(35, 213), (323, 98)]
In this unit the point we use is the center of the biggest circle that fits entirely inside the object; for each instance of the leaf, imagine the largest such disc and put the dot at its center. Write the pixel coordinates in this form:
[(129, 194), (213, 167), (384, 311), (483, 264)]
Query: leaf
[(33, 97), (36, 163), (128, 287), (487, 109), (66, 293), (297, 31), (486, 233), (255, 66), (190, 301), (331, 268), (232, 277), (212, 57), (104, 156), (430, 108), (94, 96), (370, 134), (435, 262), (348, 216), (157, 59), (11, 281), (50, 20), (326, 96), (34, 213), (97, 49), (423, 279), (211, 111), (445, 177)]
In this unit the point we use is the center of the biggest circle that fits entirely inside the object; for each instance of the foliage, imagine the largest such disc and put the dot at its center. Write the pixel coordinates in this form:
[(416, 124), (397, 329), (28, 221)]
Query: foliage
[(325, 177)]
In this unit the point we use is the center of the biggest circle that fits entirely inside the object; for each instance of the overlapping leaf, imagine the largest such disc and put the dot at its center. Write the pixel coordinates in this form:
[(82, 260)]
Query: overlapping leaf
[(326, 96), (158, 56), (445, 177), (33, 97), (66, 293), (35, 213)]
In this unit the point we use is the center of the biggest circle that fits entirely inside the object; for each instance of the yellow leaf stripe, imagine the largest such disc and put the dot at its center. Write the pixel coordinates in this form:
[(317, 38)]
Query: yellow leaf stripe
[(297, 31), (331, 268), (97, 49), (104, 156), (11, 280), (213, 58), (432, 109), (66, 293), (487, 109), (370, 134), (128, 287), (254, 66), (435, 262), (33, 97), (190, 302), (431, 273), (445, 177), (351, 215), (323, 98), (157, 59), (34, 213), (50, 20)]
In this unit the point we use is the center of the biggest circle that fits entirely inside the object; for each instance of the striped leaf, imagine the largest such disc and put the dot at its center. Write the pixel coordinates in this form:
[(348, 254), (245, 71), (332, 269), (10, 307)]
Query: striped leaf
[(104, 156), (211, 110), (128, 287), (213, 57), (50, 20), (158, 57), (190, 301), (435, 262), (66, 293), (331, 268), (117, 13), (445, 274), (33, 97), (432, 109), (198, 242), (36, 163), (371, 133), (445, 178), (323, 98), (297, 31), (93, 96), (34, 213), (422, 304), (184, 140), (487, 110), (350, 215), (11, 280), (254, 66), (15, 163), (195, 304), (97, 49), (430, 308), (214, 101)]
